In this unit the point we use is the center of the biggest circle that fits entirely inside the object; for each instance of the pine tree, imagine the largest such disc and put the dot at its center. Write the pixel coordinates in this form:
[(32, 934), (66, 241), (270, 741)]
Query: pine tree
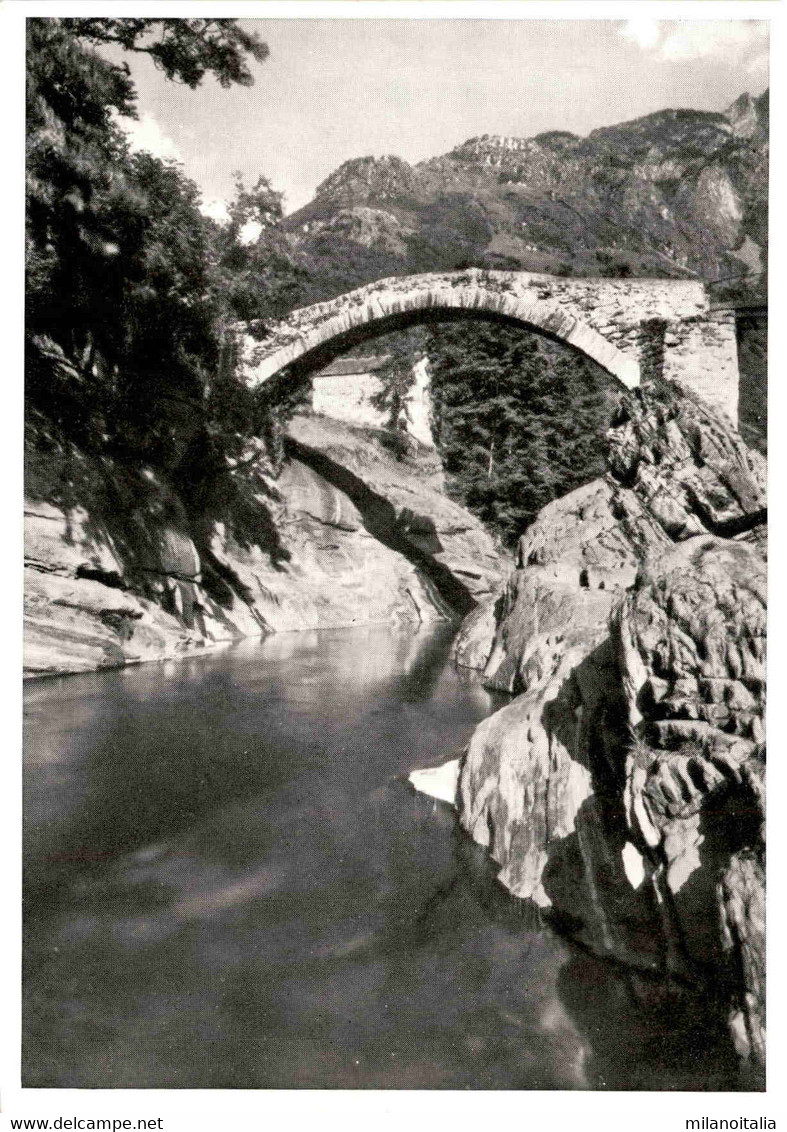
[(518, 420)]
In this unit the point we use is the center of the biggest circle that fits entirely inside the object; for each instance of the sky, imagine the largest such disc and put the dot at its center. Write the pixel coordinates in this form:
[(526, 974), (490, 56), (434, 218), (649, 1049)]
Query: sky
[(334, 89)]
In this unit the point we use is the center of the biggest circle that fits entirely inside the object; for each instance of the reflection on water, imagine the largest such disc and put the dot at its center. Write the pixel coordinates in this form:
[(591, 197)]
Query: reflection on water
[(228, 884)]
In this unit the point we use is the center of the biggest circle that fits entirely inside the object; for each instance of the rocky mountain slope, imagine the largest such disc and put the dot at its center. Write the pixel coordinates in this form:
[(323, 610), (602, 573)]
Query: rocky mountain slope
[(351, 530), (623, 788), (678, 193)]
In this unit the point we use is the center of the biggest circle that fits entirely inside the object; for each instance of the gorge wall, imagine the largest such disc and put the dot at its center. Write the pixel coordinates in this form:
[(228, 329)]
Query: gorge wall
[(349, 532), (622, 789)]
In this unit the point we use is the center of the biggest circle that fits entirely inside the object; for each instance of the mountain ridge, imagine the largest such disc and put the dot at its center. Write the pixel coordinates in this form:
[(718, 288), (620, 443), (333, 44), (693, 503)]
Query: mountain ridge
[(680, 193)]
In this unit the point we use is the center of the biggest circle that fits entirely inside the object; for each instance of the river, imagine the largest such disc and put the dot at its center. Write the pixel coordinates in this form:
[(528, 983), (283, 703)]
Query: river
[(229, 883)]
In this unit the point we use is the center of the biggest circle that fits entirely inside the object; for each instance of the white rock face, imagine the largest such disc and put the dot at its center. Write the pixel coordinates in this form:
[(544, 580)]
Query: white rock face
[(104, 590), (633, 865), (348, 397), (438, 781), (61, 543), (417, 409)]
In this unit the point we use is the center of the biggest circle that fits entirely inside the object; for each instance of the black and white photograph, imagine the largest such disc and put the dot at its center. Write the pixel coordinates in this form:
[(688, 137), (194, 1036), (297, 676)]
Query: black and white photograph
[(395, 441)]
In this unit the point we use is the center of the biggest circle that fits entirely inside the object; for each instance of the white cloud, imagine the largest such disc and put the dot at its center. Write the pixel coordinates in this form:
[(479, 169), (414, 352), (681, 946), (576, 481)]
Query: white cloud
[(645, 33), (250, 231), (725, 41), (145, 133), (737, 43), (759, 65), (216, 209)]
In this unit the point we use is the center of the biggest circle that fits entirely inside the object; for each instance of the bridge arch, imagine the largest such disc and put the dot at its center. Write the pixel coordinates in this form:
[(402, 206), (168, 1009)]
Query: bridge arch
[(635, 329), (311, 337)]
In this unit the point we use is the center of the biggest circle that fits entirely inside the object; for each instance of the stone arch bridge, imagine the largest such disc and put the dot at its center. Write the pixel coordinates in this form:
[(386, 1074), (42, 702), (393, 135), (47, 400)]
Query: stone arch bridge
[(635, 329)]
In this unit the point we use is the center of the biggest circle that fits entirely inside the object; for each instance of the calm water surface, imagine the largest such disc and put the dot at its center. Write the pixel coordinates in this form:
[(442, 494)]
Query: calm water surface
[(229, 884)]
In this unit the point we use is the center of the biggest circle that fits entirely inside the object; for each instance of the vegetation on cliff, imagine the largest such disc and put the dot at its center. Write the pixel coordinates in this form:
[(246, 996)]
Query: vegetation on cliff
[(131, 292), (519, 420)]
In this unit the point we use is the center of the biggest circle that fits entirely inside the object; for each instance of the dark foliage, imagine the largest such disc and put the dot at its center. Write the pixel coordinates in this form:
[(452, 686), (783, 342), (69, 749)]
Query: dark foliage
[(133, 294), (519, 422), (185, 50)]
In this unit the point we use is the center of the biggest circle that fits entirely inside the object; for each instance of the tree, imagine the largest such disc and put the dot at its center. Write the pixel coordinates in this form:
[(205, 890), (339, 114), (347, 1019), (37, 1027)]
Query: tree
[(170, 343), (184, 49), (253, 275), (78, 194), (133, 294), (85, 210), (396, 374), (518, 420), (124, 274)]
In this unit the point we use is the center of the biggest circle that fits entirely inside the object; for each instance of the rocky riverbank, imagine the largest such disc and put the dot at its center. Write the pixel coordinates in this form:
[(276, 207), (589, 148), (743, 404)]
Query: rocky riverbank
[(354, 529), (622, 789)]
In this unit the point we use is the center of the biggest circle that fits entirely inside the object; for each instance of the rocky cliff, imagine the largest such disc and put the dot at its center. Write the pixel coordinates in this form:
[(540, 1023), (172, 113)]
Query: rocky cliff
[(352, 529), (622, 789)]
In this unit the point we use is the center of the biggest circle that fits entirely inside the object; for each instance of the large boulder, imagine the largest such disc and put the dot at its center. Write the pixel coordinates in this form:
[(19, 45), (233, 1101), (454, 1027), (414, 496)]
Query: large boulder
[(581, 550), (741, 897), (676, 469), (539, 620), (329, 571), (473, 642), (692, 640), (691, 643), (596, 536), (690, 470), (623, 787), (402, 499), (524, 777)]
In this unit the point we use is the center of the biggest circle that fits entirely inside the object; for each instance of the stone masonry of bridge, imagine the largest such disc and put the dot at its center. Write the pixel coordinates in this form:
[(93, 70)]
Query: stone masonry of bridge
[(635, 329)]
